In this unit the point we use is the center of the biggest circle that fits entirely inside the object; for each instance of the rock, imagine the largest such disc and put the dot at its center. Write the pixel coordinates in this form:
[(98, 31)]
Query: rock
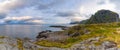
[(109, 45), (45, 31), (115, 48), (88, 44), (43, 34), (12, 44), (92, 40), (103, 16), (75, 34), (62, 27), (78, 47), (87, 31), (75, 22), (92, 47)]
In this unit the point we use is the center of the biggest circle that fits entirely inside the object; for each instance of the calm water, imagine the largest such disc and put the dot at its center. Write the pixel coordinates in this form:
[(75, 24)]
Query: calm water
[(21, 31)]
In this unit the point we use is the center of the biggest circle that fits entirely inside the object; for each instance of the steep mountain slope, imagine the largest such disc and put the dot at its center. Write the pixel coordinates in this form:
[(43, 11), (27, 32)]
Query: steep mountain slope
[(103, 16)]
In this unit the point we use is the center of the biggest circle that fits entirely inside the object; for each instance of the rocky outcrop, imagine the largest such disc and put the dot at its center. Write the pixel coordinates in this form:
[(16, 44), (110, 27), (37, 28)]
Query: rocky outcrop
[(8, 43), (62, 27), (52, 36), (109, 45), (43, 34), (101, 16), (90, 45)]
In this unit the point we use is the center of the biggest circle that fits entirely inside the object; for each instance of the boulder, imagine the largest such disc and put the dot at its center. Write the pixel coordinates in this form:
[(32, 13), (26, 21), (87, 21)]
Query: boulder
[(43, 34)]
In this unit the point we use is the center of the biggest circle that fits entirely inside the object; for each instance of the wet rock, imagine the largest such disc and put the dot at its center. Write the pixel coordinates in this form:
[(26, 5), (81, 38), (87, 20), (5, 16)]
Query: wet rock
[(43, 34)]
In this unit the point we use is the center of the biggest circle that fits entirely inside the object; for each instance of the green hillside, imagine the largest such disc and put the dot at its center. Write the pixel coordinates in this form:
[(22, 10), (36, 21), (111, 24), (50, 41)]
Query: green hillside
[(109, 32)]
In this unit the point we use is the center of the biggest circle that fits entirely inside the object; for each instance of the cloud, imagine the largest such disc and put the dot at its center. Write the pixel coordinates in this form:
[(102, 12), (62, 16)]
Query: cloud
[(117, 3), (66, 14), (47, 4), (15, 9), (8, 5), (101, 2), (18, 18), (52, 11), (21, 20), (36, 21), (77, 18), (58, 20), (2, 15), (92, 7), (69, 17)]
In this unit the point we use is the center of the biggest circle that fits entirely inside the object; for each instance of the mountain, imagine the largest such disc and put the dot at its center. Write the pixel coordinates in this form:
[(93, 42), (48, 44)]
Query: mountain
[(101, 16)]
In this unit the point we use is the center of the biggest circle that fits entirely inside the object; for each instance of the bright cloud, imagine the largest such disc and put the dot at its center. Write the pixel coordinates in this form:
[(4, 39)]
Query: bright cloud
[(92, 7), (18, 18), (8, 5), (36, 21), (78, 18)]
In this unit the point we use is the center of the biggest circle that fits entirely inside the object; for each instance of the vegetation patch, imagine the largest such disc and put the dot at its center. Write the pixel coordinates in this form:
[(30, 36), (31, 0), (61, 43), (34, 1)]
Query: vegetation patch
[(20, 44)]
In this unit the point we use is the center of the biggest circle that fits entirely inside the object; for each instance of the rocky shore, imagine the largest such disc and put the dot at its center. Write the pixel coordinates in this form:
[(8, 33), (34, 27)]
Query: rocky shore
[(105, 37), (8, 43), (89, 44), (87, 37)]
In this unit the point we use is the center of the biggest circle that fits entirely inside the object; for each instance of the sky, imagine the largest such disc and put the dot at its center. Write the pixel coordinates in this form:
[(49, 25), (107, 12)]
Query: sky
[(52, 11)]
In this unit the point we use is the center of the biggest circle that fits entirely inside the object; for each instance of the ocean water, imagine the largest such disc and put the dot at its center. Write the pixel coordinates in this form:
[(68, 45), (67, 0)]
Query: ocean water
[(22, 31)]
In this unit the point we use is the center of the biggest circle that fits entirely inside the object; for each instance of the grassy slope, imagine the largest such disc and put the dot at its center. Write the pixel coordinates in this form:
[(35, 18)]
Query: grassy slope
[(109, 31)]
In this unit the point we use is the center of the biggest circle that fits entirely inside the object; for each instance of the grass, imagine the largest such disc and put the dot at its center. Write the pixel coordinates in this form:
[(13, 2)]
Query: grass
[(108, 31), (20, 44), (1, 37)]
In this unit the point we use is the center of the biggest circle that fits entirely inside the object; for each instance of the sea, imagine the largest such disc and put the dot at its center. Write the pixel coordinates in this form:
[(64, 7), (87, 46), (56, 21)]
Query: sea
[(24, 31)]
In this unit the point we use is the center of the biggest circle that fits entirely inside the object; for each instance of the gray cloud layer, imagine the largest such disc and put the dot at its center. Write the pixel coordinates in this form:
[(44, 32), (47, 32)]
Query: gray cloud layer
[(55, 11)]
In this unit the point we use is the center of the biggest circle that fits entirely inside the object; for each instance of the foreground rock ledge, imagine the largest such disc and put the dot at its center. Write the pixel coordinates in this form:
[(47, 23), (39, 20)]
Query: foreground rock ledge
[(12, 44)]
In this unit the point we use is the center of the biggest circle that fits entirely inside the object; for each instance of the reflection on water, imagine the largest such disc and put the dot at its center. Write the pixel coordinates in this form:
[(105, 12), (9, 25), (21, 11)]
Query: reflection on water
[(21, 31)]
